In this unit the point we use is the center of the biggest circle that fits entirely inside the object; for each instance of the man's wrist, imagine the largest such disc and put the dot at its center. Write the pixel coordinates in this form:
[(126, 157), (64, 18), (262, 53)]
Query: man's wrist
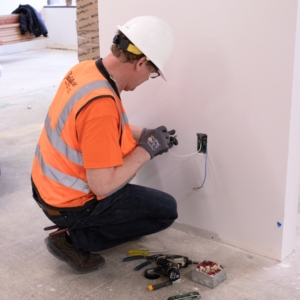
[(143, 152), (142, 132)]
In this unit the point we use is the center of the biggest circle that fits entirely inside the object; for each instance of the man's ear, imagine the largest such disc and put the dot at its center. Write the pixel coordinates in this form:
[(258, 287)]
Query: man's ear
[(141, 61)]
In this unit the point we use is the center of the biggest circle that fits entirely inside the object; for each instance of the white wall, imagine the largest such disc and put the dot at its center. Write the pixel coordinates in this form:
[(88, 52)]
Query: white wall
[(61, 25), (7, 7), (230, 76), (293, 155)]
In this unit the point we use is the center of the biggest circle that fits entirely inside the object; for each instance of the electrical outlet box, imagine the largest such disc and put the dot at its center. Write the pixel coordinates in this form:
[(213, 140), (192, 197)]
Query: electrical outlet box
[(201, 142)]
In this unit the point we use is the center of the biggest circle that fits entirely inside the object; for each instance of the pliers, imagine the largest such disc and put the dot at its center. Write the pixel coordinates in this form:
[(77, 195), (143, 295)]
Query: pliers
[(149, 260)]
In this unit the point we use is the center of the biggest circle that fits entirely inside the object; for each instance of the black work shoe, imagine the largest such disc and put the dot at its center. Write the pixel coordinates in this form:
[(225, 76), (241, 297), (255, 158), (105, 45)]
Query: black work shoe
[(80, 261)]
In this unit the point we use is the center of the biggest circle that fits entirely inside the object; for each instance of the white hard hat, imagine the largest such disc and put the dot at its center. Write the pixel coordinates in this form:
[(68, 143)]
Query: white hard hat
[(153, 37)]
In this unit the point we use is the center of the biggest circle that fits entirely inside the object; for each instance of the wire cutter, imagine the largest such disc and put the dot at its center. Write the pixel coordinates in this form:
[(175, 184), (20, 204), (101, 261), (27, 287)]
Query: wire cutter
[(149, 260)]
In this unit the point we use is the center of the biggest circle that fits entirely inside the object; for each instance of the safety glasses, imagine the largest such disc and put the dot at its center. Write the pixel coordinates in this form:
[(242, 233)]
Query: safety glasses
[(156, 73)]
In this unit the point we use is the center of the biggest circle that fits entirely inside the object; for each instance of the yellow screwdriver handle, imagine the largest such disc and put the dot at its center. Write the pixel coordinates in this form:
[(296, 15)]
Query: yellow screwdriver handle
[(138, 252), (159, 285)]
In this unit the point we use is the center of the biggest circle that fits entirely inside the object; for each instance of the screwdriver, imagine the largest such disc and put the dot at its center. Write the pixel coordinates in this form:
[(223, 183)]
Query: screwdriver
[(144, 252), (157, 286), (153, 287)]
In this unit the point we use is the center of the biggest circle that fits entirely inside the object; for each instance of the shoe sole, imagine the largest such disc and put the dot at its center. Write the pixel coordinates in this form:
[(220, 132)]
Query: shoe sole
[(56, 253)]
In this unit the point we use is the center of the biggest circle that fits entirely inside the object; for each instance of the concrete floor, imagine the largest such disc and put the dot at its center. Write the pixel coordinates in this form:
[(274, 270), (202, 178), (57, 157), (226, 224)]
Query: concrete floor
[(28, 271)]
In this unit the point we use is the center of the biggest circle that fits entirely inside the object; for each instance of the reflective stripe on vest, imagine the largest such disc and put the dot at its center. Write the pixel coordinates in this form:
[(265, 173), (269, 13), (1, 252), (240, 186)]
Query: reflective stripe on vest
[(62, 147), (58, 176)]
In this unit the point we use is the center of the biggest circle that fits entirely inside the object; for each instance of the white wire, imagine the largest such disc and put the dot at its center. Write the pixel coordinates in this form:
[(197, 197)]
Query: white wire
[(186, 154)]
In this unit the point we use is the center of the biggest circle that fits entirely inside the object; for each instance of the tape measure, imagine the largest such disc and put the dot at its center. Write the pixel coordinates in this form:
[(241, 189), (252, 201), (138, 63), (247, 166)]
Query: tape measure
[(187, 296)]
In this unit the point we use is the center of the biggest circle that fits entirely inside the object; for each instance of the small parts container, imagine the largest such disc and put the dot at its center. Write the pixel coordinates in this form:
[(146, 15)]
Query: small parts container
[(209, 274)]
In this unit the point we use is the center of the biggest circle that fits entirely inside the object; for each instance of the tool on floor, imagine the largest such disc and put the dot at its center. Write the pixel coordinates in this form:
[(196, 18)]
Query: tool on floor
[(187, 296), (168, 265), (153, 287), (137, 252), (140, 266)]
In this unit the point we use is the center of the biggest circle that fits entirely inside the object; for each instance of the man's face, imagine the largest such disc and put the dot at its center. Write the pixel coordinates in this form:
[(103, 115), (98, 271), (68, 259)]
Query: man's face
[(142, 74)]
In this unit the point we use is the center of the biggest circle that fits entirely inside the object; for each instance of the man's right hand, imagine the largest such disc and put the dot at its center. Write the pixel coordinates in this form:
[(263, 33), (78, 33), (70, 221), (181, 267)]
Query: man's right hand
[(155, 141)]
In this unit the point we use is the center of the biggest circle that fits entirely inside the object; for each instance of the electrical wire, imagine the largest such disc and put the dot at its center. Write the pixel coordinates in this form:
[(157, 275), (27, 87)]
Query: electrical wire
[(205, 172), (205, 164), (187, 154)]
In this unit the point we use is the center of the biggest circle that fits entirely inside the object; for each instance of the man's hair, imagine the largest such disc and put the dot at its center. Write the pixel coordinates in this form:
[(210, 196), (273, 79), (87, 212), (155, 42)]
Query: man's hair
[(124, 55)]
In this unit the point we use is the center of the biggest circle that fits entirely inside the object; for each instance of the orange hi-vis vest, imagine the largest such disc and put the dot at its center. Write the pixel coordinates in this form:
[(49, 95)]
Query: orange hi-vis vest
[(58, 171)]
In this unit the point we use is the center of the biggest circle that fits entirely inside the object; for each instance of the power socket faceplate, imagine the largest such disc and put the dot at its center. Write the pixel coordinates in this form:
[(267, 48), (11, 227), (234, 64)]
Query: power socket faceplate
[(202, 142)]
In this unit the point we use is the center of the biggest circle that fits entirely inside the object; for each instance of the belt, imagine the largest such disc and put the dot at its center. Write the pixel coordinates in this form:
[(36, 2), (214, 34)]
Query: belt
[(50, 211)]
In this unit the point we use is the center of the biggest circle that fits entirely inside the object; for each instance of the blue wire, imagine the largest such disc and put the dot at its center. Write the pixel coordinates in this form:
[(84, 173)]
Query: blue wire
[(205, 170)]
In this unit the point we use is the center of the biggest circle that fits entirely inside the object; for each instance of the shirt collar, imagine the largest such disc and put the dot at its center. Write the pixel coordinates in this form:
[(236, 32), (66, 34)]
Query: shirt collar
[(103, 71)]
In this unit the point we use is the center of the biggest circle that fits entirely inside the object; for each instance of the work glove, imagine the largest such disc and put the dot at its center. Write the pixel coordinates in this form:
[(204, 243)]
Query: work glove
[(173, 139), (157, 141)]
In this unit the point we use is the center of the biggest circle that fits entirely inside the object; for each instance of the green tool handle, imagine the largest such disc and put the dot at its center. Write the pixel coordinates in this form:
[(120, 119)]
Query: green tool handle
[(157, 286)]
